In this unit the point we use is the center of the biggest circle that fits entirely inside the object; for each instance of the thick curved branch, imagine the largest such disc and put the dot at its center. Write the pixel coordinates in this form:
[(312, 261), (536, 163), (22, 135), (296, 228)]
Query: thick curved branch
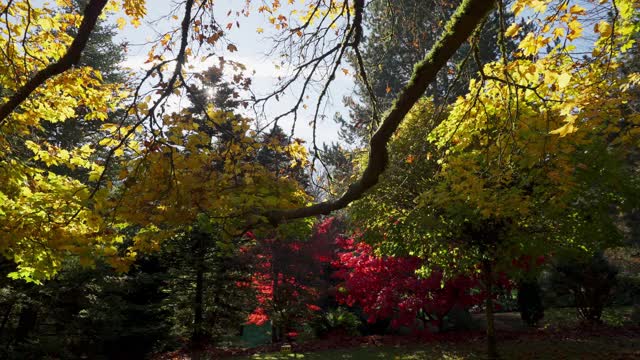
[(71, 57), (462, 24)]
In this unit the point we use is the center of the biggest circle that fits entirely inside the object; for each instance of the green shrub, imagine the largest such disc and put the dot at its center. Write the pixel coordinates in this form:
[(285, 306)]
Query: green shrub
[(337, 320), (530, 302), (590, 283)]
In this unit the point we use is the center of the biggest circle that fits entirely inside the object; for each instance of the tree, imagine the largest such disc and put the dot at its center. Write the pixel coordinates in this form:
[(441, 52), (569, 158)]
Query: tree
[(79, 217), (589, 281), (391, 288), (75, 212), (84, 313), (500, 178), (203, 274), (288, 278), (400, 34)]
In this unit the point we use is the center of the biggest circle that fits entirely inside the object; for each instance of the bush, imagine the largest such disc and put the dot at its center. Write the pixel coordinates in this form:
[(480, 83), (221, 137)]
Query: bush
[(590, 282), (627, 290), (530, 302), (337, 320)]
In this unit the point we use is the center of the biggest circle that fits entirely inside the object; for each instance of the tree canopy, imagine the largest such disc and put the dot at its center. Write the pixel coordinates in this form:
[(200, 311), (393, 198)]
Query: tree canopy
[(146, 170)]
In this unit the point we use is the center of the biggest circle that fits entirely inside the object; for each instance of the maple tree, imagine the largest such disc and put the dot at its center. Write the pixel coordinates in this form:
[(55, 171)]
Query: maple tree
[(289, 279), (517, 166), (388, 287), (533, 158), (165, 177), (78, 217)]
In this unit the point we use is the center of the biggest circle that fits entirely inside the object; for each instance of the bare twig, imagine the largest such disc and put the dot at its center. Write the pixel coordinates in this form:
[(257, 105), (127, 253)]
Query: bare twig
[(468, 15)]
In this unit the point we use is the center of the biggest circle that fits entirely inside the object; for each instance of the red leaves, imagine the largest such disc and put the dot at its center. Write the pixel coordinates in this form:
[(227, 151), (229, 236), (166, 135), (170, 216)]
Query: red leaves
[(389, 288), (258, 317), (287, 276)]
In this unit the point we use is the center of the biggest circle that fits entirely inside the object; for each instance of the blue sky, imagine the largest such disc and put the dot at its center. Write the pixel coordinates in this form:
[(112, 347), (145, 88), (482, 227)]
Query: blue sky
[(253, 51)]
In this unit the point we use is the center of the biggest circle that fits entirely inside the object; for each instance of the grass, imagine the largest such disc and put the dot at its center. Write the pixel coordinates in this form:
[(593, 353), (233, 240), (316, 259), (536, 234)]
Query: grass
[(594, 347), (567, 317), (613, 342)]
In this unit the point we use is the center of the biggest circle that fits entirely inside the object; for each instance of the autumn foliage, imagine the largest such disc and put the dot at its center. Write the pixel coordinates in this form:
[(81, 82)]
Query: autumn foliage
[(389, 287), (288, 278)]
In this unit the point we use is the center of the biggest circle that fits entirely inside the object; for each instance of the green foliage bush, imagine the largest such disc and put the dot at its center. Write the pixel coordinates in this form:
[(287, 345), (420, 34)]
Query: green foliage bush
[(530, 302), (338, 320), (590, 283)]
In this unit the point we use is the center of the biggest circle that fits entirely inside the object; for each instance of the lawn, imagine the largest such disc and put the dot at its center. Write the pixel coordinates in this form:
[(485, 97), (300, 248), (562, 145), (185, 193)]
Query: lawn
[(558, 337), (590, 347)]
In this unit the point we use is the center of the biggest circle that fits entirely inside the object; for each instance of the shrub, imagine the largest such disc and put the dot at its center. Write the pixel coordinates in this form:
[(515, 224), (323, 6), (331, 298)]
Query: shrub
[(530, 302), (338, 320), (590, 282)]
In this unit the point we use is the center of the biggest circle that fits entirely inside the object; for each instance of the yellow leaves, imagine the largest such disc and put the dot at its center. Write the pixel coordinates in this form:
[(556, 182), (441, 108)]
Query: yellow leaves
[(108, 141), (96, 172), (575, 29), (135, 9), (512, 30), (536, 5), (165, 39), (259, 30), (564, 130), (121, 22), (135, 22), (603, 28), (298, 153), (532, 44), (558, 33), (563, 80), (577, 10)]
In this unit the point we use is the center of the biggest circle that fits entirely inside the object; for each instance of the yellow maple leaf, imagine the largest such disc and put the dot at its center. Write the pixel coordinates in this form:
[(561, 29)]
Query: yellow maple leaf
[(512, 30), (558, 32), (564, 130), (603, 27), (575, 29), (578, 10), (563, 80), (121, 23)]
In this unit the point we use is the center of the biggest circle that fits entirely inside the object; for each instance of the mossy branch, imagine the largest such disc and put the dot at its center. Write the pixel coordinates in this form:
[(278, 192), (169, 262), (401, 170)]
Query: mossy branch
[(462, 24)]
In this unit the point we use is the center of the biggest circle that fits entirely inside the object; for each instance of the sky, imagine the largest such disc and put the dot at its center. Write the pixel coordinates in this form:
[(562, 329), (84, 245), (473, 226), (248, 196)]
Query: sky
[(254, 52)]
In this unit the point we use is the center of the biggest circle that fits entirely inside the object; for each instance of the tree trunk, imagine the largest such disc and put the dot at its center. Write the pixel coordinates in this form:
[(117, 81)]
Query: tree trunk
[(5, 318), (492, 347), (197, 335), (26, 323), (276, 333)]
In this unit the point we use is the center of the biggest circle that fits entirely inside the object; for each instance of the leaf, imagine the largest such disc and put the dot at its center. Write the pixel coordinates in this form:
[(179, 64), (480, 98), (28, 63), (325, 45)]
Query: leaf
[(512, 30), (563, 80), (564, 130), (575, 30), (577, 10), (121, 23), (603, 28), (558, 32)]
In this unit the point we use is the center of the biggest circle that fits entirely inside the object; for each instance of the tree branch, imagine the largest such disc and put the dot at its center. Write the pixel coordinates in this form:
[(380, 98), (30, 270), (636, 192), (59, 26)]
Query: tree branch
[(462, 24), (69, 59)]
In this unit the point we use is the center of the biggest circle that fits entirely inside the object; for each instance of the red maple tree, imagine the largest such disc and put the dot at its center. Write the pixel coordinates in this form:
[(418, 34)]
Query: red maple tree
[(388, 287)]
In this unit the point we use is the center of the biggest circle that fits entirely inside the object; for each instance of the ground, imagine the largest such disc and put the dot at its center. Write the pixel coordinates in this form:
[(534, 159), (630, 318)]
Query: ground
[(559, 336), (619, 345)]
